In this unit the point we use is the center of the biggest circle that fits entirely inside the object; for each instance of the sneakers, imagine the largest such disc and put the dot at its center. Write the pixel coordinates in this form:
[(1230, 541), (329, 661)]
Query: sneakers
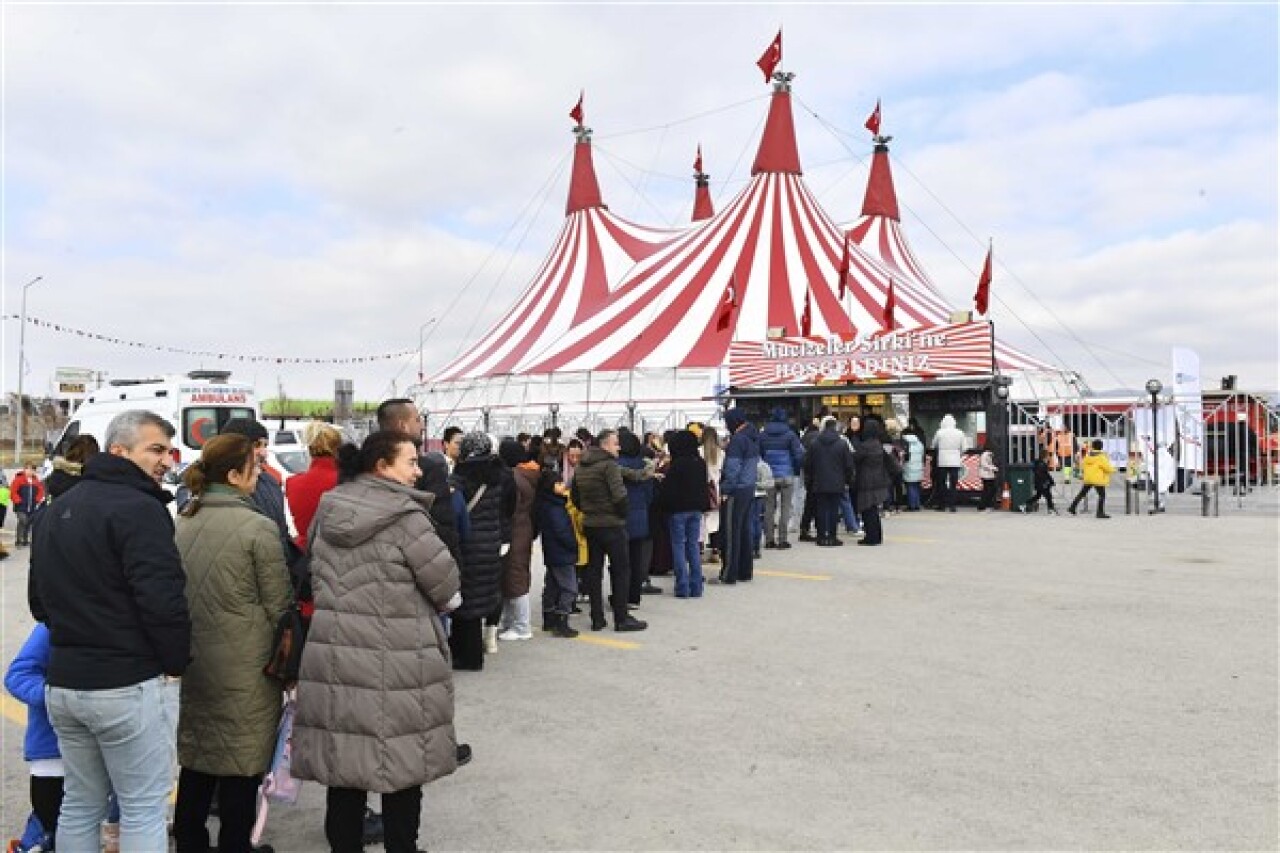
[(650, 589), (514, 633), (771, 545), (491, 639), (563, 629), (784, 545)]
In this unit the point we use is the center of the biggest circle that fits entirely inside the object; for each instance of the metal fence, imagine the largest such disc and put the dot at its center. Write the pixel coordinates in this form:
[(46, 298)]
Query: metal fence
[(1225, 455)]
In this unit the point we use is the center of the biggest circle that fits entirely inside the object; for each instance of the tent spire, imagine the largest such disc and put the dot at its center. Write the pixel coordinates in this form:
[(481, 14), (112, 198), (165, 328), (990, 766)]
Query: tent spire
[(778, 151), (702, 208), (584, 189), (881, 198)]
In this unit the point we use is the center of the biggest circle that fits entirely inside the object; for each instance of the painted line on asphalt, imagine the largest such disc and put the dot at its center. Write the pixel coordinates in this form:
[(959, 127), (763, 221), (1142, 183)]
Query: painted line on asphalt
[(773, 573), (606, 642), (13, 710)]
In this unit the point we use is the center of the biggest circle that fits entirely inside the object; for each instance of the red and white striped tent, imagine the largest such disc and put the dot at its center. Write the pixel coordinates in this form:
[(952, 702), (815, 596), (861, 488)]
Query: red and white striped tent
[(620, 315)]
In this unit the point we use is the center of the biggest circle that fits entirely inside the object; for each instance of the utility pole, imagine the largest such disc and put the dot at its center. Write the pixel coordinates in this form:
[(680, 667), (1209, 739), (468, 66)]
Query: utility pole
[(18, 437)]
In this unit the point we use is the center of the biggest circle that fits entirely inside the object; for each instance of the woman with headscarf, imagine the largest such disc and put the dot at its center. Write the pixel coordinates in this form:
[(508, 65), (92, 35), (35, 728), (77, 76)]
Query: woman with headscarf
[(516, 572)]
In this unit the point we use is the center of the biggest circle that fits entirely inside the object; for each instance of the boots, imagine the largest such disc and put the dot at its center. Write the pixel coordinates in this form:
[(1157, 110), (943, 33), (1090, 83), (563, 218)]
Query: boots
[(491, 639), (561, 628), (548, 620)]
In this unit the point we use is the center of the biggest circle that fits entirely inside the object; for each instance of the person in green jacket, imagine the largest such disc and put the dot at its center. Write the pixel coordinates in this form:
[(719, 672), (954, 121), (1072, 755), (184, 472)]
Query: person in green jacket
[(237, 590)]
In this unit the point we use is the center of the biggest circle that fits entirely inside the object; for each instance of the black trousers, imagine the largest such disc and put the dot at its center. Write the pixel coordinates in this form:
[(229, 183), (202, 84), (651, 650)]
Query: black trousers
[(1044, 490), (608, 542), (988, 499), (738, 547), (1102, 499), (871, 525), (828, 514), (639, 556), (809, 513), (344, 820), (466, 642), (46, 801), (237, 811)]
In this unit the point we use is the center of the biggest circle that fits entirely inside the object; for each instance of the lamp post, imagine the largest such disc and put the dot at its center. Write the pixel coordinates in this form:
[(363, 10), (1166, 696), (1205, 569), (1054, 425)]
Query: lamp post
[(485, 414), (1154, 387), (631, 414), (18, 437), (422, 330), (555, 415)]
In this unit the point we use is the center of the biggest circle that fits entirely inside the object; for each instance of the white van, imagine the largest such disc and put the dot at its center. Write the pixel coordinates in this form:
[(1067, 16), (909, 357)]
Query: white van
[(198, 405)]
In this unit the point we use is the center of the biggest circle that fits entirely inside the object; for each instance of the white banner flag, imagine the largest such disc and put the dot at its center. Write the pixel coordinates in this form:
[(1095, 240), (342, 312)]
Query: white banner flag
[(1189, 408)]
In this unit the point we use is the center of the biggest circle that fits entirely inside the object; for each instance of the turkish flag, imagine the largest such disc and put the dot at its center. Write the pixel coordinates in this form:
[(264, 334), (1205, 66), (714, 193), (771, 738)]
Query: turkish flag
[(771, 57), (806, 319), (873, 120), (890, 303), (984, 286), (727, 305), (697, 163), (576, 112), (844, 268)]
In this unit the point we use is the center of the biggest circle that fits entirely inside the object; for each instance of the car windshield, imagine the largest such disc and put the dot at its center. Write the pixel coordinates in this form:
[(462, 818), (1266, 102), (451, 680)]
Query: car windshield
[(293, 461)]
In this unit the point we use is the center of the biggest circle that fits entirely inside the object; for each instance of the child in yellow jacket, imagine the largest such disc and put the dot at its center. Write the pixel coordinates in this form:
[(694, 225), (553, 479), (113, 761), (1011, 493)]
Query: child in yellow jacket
[(1097, 474)]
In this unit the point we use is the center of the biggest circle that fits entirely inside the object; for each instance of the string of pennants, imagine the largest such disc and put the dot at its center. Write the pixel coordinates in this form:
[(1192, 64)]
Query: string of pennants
[(260, 359)]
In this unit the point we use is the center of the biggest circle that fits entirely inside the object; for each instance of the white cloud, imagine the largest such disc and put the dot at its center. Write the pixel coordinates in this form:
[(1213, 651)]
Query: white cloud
[(322, 180)]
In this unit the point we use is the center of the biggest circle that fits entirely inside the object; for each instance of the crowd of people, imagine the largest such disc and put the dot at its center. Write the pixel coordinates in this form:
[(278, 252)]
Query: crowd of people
[(156, 638)]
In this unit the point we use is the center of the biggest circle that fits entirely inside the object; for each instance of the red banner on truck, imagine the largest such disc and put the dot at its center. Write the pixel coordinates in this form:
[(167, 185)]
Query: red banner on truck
[(927, 352)]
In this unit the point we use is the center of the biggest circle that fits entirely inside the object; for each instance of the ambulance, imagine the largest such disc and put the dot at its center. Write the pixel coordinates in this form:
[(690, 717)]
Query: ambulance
[(198, 405)]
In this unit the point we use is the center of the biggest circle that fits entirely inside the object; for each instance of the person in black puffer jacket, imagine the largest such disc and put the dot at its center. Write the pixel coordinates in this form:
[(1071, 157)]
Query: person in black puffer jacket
[(874, 477), (683, 498), (481, 566), (828, 466)]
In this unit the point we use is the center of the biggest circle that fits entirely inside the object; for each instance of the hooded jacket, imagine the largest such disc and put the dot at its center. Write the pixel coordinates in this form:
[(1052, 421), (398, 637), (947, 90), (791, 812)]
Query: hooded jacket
[(481, 565), (684, 489), (65, 475), (237, 588), (741, 456), (781, 447), (1097, 468), (601, 495), (949, 442), (107, 580), (829, 465), (375, 691), (639, 498), (913, 466), (555, 529)]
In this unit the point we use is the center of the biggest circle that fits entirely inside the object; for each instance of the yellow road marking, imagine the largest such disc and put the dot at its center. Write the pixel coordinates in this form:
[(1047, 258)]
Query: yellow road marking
[(606, 642), (794, 575), (13, 710)]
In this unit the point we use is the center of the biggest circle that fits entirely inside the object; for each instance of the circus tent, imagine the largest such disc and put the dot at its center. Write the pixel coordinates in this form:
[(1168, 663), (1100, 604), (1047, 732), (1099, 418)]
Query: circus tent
[(623, 317)]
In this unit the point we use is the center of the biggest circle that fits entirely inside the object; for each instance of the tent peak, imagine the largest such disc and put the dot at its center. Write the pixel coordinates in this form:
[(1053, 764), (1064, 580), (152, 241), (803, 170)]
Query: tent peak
[(881, 198), (584, 189), (778, 152)]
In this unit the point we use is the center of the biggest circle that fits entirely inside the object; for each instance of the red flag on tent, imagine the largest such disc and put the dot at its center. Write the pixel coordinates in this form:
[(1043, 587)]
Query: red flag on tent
[(771, 57), (873, 120), (806, 318), (890, 303), (576, 112), (984, 286), (727, 305), (844, 267), (697, 163)]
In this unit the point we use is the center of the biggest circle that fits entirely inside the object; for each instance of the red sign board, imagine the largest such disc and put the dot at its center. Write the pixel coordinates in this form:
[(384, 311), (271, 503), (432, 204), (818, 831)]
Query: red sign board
[(927, 352)]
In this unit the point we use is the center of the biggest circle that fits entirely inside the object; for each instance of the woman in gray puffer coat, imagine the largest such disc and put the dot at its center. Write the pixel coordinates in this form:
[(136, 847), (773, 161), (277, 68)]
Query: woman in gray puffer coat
[(375, 691)]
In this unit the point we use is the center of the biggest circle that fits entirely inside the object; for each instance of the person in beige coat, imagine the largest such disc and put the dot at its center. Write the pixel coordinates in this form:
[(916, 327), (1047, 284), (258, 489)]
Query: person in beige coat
[(237, 588), (375, 690)]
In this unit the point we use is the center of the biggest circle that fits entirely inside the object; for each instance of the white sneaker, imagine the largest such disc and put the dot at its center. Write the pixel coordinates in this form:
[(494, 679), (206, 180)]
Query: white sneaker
[(514, 634), (491, 640)]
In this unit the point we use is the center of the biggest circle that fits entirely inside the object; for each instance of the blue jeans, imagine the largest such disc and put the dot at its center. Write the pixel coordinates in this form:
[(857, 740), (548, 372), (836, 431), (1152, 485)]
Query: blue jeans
[(123, 738), (686, 560), (913, 495), (846, 511), (757, 522)]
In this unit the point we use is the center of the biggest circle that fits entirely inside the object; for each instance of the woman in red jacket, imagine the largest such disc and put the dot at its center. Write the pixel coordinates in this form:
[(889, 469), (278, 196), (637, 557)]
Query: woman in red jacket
[(303, 491)]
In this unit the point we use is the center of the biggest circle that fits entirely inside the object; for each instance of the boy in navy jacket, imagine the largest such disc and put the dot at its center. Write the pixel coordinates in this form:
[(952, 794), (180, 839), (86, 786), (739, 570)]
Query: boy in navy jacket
[(559, 554)]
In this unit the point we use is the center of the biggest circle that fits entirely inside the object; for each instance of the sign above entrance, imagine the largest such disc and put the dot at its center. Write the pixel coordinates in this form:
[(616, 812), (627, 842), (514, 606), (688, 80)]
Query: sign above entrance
[(927, 352)]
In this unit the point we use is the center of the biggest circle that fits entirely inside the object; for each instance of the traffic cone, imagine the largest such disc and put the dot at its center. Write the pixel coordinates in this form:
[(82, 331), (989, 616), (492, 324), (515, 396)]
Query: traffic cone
[(1006, 499)]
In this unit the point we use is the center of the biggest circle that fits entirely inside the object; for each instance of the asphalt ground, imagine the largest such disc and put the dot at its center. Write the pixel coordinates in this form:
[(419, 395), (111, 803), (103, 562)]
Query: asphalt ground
[(982, 681)]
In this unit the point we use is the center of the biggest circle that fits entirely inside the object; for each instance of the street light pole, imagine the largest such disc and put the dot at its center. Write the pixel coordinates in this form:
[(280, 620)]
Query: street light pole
[(1154, 387), (18, 437)]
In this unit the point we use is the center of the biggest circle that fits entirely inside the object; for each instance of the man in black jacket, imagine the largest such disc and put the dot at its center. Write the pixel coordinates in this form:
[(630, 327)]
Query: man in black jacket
[(107, 580), (600, 494)]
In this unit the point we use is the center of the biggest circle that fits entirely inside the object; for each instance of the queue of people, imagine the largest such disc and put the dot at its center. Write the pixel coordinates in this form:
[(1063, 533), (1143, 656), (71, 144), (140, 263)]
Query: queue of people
[(406, 566)]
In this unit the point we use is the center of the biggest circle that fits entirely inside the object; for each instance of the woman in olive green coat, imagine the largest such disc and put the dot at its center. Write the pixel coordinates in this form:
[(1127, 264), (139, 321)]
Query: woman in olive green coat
[(237, 589)]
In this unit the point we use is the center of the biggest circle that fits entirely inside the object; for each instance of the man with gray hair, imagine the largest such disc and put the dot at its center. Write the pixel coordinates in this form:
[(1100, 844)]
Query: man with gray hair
[(107, 580)]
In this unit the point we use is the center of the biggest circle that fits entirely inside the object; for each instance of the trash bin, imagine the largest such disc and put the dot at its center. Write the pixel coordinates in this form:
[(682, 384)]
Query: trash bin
[(1020, 486)]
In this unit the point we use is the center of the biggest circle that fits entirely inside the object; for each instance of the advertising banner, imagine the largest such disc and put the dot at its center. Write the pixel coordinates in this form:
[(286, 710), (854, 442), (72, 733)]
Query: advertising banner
[(1188, 407), (927, 352)]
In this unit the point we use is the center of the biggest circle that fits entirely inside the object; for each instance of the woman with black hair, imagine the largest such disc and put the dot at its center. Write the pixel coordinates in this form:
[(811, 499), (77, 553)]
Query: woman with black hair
[(375, 691)]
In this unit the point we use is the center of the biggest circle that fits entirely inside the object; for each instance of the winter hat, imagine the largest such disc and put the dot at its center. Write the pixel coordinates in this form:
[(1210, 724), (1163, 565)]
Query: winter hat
[(510, 452), (734, 418), (247, 427), (475, 445)]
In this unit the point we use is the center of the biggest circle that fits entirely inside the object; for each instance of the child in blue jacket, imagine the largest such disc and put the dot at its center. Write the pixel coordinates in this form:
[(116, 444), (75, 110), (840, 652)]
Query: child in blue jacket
[(559, 554)]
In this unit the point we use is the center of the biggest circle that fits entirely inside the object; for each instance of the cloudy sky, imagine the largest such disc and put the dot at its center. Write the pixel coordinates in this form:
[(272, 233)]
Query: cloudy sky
[(322, 182)]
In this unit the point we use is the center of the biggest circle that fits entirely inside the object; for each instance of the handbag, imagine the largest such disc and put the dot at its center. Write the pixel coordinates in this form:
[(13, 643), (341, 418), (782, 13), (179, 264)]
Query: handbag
[(279, 783), (286, 646)]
